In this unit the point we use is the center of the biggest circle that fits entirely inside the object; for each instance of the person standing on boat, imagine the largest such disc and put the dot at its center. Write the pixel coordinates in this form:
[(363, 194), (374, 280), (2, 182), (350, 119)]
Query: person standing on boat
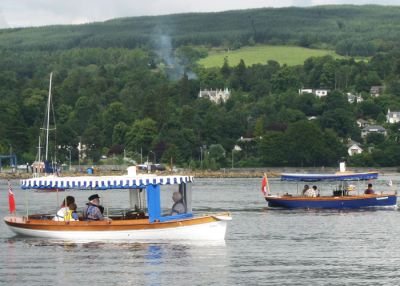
[(369, 190), (179, 206), (92, 210)]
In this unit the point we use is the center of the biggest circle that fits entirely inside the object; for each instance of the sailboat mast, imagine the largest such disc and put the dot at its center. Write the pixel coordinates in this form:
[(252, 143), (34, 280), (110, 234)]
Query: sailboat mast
[(39, 160), (48, 117)]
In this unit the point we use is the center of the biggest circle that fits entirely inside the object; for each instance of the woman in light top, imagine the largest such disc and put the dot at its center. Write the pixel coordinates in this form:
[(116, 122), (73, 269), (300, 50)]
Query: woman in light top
[(63, 211), (310, 192), (72, 215)]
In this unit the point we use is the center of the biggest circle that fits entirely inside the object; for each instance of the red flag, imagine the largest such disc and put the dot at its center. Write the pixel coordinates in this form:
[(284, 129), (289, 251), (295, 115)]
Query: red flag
[(11, 200), (264, 185)]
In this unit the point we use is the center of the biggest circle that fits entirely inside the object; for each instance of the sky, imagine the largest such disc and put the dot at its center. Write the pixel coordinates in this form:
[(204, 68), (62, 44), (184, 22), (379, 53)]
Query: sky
[(26, 13)]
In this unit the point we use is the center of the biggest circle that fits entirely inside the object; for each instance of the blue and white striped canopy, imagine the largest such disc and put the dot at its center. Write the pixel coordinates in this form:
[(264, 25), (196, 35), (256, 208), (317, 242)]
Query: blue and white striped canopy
[(102, 183)]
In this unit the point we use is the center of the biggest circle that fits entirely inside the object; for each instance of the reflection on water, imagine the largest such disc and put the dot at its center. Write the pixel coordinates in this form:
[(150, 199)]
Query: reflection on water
[(263, 246)]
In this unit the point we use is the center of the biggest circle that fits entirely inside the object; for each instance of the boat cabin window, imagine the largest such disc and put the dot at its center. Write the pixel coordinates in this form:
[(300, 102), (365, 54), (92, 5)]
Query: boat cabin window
[(169, 202), (137, 203), (176, 199)]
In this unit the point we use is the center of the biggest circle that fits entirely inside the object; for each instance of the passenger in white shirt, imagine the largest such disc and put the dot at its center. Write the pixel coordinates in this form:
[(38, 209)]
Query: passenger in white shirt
[(310, 193), (63, 211)]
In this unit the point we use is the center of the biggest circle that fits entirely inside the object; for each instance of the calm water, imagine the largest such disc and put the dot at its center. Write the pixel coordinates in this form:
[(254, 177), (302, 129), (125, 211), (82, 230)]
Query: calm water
[(262, 247)]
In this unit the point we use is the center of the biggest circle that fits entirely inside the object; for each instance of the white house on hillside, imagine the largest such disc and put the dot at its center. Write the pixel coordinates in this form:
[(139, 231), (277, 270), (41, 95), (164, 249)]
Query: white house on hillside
[(354, 148), (317, 92), (351, 98), (216, 96), (373, 129), (393, 116), (376, 90)]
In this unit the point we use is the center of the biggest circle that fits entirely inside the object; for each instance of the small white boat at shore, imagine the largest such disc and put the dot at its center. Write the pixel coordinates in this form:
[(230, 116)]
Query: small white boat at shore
[(143, 222)]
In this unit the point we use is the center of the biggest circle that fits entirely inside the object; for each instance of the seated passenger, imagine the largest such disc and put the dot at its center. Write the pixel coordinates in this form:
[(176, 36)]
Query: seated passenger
[(179, 206), (316, 191), (306, 187), (92, 210), (72, 215), (349, 189), (369, 190), (63, 211), (310, 193)]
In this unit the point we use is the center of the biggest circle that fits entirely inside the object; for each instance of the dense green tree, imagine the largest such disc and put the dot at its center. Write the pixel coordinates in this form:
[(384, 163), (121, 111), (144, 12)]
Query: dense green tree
[(368, 109), (172, 155), (306, 145), (375, 138), (259, 127), (113, 114), (119, 133), (217, 153), (285, 79), (341, 121), (225, 69), (140, 135), (93, 139), (239, 76), (273, 149)]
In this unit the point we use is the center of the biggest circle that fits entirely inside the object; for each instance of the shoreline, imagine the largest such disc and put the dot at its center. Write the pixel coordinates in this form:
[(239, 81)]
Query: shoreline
[(196, 174), (223, 173)]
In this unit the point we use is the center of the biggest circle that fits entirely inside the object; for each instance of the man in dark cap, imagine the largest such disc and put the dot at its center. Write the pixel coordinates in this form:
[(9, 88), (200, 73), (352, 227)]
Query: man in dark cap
[(92, 210)]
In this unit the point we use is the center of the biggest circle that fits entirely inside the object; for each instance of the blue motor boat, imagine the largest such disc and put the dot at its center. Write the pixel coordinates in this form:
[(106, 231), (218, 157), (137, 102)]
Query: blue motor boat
[(340, 199)]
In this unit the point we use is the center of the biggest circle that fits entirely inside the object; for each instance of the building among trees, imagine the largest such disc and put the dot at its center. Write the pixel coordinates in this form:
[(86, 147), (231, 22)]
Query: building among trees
[(351, 98), (317, 92), (393, 116), (216, 96), (373, 129), (354, 148), (376, 90)]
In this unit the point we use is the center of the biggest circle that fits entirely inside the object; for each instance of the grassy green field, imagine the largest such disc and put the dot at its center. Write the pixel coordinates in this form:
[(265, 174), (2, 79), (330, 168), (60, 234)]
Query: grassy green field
[(263, 53)]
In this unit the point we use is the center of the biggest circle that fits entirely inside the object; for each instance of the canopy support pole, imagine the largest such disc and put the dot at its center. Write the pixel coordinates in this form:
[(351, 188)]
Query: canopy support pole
[(27, 205)]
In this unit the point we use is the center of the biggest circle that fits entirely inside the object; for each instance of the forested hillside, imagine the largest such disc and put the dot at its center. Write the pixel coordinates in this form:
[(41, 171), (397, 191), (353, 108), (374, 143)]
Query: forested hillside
[(132, 85), (350, 30)]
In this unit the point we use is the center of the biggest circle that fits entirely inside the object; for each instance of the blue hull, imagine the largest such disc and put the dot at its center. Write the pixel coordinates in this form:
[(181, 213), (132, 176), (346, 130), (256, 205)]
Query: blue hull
[(332, 202), (330, 177)]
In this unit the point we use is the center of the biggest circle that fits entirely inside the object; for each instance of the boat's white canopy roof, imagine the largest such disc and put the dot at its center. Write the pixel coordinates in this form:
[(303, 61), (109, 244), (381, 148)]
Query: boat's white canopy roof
[(102, 182), (340, 176)]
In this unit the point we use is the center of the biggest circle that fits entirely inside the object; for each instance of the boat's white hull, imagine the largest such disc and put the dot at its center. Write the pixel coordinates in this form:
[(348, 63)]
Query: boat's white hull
[(206, 231)]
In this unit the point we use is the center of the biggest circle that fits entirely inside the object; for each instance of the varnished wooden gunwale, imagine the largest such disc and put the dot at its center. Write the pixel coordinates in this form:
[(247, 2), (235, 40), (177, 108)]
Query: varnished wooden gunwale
[(117, 225)]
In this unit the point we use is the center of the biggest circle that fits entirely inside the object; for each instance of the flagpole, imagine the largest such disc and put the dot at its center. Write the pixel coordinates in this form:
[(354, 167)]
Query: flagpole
[(26, 205)]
